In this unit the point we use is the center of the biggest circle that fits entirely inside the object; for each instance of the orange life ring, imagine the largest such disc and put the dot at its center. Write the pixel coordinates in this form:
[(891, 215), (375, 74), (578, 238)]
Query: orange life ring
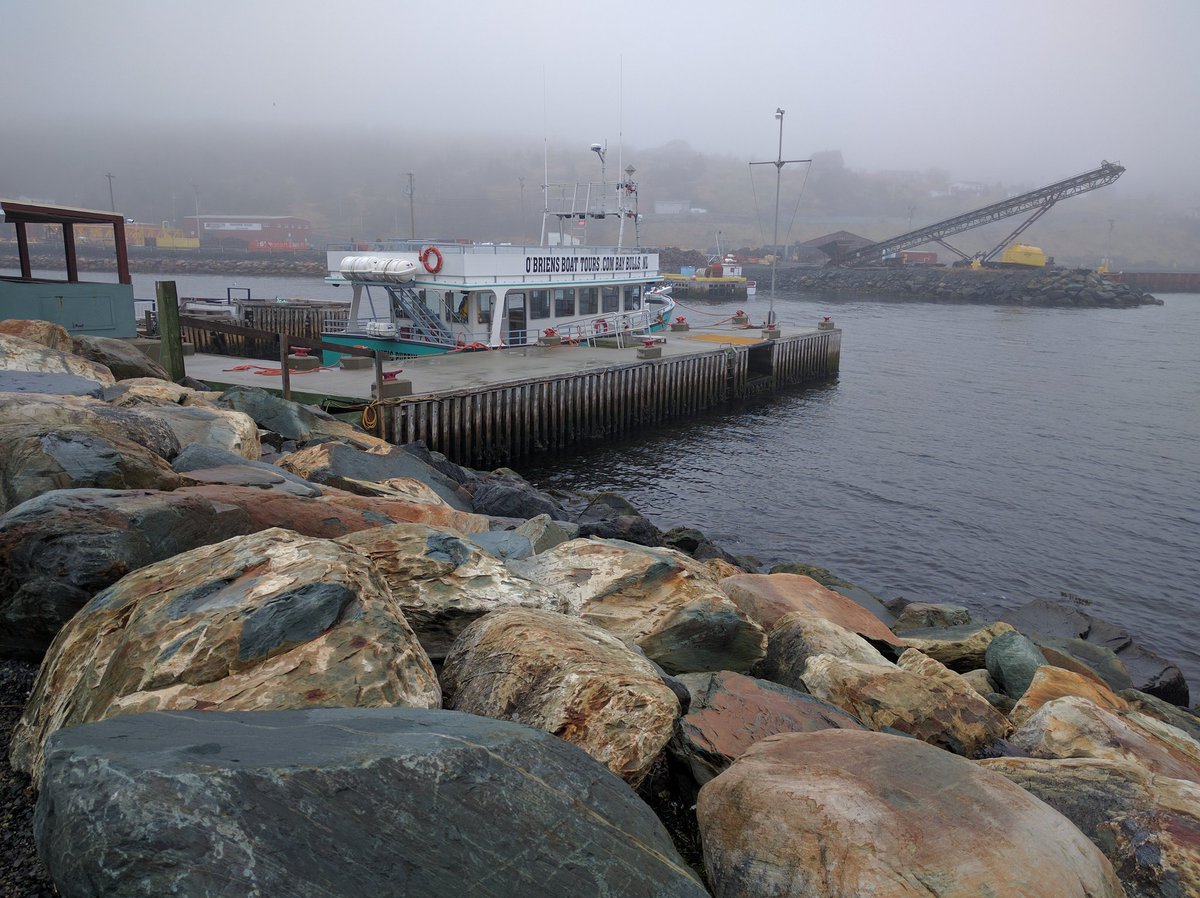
[(600, 326), (425, 256)]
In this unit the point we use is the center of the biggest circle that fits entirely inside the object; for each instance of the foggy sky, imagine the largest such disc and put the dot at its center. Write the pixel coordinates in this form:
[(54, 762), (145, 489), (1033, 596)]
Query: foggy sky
[(1024, 90)]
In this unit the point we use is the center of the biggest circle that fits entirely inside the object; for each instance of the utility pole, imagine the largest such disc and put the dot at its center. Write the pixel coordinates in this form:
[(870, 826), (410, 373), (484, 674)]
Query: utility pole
[(112, 203), (779, 163), (412, 215), (196, 192)]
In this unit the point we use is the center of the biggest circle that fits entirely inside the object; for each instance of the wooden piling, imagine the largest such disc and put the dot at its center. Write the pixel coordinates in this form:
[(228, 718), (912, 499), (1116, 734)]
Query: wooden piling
[(169, 332)]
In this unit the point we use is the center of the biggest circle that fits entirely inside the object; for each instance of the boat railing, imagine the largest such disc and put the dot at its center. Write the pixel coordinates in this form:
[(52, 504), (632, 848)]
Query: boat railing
[(627, 328)]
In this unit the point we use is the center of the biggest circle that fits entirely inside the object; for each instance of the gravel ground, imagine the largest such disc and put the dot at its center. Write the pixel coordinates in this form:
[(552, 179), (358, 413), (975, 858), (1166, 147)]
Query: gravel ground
[(21, 873)]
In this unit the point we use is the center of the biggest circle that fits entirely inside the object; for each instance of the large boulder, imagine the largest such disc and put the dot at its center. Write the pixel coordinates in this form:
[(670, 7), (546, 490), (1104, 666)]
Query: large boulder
[(1042, 619), (79, 412), (336, 513), (35, 460), (293, 421), (61, 548), (1181, 718), (505, 494), (1012, 660), (799, 636), (135, 391), (120, 357), (1147, 826), (841, 813), (47, 333), (268, 621), (343, 801), (927, 615), (730, 712), (943, 713), (568, 678), (765, 598), (443, 582), (216, 427), (660, 599), (827, 578), (347, 467), (209, 464), (1049, 683), (961, 648), (18, 354), (1074, 727)]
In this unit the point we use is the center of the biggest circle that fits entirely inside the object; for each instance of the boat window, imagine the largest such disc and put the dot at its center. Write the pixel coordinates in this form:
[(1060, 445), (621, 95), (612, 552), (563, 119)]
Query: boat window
[(564, 302), (610, 300), (539, 304), (486, 301), (633, 297), (455, 307), (589, 300)]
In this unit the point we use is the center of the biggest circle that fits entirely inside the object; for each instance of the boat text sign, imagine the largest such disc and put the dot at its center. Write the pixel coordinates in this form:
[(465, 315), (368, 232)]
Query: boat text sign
[(584, 264)]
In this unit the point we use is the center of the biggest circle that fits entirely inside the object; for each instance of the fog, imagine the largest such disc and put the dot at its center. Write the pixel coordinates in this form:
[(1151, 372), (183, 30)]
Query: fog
[(171, 98)]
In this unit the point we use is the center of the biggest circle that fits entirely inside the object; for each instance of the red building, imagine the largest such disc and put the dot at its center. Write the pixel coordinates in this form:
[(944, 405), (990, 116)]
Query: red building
[(251, 232)]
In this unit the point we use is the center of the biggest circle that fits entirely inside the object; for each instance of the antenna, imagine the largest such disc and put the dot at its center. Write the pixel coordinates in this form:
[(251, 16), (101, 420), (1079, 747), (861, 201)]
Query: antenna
[(779, 164)]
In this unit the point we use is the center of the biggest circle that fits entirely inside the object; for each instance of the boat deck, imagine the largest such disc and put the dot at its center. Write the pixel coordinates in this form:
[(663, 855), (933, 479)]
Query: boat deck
[(459, 371)]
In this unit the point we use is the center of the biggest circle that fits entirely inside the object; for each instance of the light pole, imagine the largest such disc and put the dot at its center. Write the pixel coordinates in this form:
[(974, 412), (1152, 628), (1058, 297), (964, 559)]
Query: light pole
[(779, 163), (112, 203)]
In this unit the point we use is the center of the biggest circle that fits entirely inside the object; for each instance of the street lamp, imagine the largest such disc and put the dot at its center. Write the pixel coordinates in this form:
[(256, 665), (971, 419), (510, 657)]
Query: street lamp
[(112, 203), (779, 163)]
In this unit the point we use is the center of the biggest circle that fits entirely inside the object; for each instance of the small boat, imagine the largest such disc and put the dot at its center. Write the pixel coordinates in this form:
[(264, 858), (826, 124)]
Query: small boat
[(419, 297)]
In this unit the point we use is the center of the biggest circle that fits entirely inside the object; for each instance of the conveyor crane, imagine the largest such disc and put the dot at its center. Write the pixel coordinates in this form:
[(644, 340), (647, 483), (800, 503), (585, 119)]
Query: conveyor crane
[(1038, 201)]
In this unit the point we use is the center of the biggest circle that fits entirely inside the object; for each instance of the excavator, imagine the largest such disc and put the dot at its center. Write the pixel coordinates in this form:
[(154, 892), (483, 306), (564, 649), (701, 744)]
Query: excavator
[(1039, 202)]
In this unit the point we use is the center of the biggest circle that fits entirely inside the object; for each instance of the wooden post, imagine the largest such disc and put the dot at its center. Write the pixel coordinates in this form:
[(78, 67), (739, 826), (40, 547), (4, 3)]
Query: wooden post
[(283, 363), (170, 351)]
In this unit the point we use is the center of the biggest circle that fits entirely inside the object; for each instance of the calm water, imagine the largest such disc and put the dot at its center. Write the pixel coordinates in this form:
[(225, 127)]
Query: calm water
[(986, 456), (980, 455)]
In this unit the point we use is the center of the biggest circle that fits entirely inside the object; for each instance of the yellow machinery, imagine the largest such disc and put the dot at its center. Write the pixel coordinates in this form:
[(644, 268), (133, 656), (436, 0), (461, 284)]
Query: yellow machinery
[(1024, 255)]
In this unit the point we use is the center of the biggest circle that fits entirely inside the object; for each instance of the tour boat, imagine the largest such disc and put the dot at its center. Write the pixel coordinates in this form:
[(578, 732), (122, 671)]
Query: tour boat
[(418, 297)]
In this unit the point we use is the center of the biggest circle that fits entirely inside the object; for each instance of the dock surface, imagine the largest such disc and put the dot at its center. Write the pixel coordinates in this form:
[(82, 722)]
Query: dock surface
[(489, 408)]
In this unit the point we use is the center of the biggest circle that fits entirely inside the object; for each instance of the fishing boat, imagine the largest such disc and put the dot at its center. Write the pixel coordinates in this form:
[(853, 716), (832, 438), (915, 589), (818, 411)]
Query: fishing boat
[(419, 297)]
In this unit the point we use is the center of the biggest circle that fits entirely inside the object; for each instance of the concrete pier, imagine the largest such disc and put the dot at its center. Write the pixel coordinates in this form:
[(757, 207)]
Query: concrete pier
[(491, 408)]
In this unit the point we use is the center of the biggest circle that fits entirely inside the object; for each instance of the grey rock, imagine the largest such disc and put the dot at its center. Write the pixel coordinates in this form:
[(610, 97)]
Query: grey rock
[(342, 801), (503, 544), (1012, 660), (121, 357), (543, 532), (922, 615), (630, 528), (510, 496), (198, 457), (49, 382)]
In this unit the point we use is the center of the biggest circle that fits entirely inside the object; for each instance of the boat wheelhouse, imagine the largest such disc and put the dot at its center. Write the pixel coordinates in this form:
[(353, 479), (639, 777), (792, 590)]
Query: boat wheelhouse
[(422, 297)]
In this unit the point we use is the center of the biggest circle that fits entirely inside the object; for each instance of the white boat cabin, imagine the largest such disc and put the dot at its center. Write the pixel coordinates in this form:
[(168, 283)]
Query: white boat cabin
[(452, 295)]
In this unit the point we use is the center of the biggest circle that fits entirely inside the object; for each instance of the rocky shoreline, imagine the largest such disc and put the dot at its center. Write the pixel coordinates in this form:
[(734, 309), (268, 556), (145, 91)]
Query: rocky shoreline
[(1050, 287), (276, 655)]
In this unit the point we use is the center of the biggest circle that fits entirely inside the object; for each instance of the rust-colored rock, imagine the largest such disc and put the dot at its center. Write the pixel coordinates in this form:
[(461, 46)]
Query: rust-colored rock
[(931, 708), (335, 513), (92, 415), (1050, 683), (849, 814), (443, 582), (268, 621), (1073, 727), (765, 598), (568, 678), (47, 333), (730, 712)]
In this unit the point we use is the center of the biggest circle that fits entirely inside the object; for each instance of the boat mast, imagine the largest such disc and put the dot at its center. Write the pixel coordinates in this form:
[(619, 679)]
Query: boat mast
[(779, 163)]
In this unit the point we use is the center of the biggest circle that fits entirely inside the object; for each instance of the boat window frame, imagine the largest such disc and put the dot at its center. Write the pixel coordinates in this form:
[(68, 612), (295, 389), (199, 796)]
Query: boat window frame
[(610, 299), (538, 304), (589, 300), (563, 299), (631, 295), (485, 302)]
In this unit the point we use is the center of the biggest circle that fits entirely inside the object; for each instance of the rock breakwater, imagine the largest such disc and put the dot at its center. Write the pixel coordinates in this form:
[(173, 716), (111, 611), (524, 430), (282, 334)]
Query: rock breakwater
[(292, 658), (1066, 288)]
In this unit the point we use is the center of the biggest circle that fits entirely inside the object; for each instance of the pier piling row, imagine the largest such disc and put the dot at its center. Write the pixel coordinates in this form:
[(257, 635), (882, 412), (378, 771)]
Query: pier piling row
[(500, 423)]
